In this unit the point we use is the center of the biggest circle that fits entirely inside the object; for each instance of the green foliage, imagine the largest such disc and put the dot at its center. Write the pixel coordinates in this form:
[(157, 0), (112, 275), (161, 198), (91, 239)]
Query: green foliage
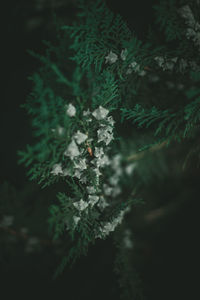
[(97, 32), (168, 20), (75, 71)]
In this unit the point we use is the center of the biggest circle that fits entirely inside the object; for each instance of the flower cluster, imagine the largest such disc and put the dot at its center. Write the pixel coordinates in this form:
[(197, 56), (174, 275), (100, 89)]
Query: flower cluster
[(87, 153), (193, 30), (166, 64), (108, 227), (134, 66)]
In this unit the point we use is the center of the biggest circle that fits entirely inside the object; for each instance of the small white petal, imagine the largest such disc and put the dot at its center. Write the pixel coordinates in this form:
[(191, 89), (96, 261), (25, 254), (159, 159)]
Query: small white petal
[(123, 54), (93, 199), (71, 110), (86, 113), (57, 169), (80, 137), (130, 168), (91, 190), (111, 57), (76, 219), (100, 113), (80, 164), (81, 205), (72, 150)]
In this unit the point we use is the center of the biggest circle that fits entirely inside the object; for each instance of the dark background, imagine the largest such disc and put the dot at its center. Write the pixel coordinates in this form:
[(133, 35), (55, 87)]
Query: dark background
[(168, 250)]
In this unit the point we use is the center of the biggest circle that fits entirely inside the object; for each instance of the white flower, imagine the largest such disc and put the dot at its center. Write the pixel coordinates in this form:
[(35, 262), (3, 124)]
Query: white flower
[(91, 190), (98, 152), (61, 130), (71, 110), (116, 191), (80, 164), (130, 168), (110, 120), (86, 113), (76, 220), (7, 221), (77, 173), (123, 54), (81, 205), (83, 179), (105, 134), (66, 172), (80, 137), (100, 113), (186, 12), (107, 189), (72, 150), (57, 169), (142, 73), (101, 161), (113, 180), (102, 203), (116, 162), (128, 244), (96, 170), (111, 57), (93, 199), (159, 60)]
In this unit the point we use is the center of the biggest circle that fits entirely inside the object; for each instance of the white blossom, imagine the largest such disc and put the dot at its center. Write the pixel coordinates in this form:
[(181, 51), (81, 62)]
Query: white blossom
[(6, 221), (61, 130), (98, 152), (91, 190), (66, 172), (80, 164), (111, 57), (123, 54), (110, 120), (80, 137), (86, 113), (110, 226), (186, 12), (116, 191), (142, 73), (102, 204), (113, 180), (72, 150), (166, 64), (93, 199), (116, 164), (160, 60), (107, 189), (130, 168), (76, 220), (100, 113), (83, 179), (57, 169), (105, 134), (77, 173), (193, 32), (71, 110), (96, 170), (81, 205), (101, 161)]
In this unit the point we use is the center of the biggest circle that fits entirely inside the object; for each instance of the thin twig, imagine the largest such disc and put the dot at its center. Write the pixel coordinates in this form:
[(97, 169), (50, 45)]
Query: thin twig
[(139, 155)]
